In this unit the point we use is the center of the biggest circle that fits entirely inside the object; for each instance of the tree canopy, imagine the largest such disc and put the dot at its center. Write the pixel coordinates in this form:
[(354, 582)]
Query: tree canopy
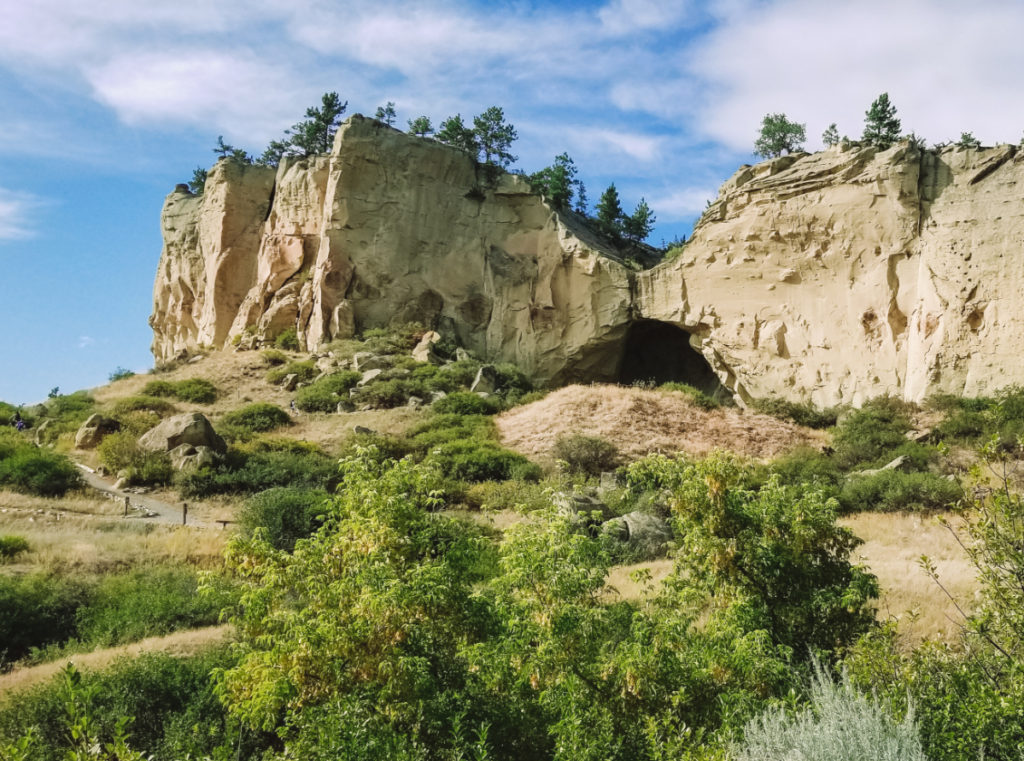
[(779, 135), (881, 127)]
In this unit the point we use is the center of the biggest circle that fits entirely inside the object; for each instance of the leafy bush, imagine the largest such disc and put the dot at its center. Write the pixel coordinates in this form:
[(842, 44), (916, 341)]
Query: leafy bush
[(892, 490), (196, 390), (242, 473), (287, 339), (443, 428), (591, 455), (286, 514), (258, 417), (27, 469), (38, 609), (274, 357), (325, 394), (386, 394), (305, 370), (158, 388), (120, 373), (696, 396), (476, 460), (467, 403), (397, 339), (11, 546), (515, 494), (147, 602), (120, 451), (872, 434), (801, 413), (805, 465), (839, 725)]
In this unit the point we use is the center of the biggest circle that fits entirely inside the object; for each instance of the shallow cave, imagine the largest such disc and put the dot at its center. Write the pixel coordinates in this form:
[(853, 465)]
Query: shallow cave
[(658, 352)]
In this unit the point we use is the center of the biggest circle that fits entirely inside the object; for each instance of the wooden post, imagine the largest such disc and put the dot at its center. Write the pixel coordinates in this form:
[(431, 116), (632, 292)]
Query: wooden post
[(184, 513), (125, 505)]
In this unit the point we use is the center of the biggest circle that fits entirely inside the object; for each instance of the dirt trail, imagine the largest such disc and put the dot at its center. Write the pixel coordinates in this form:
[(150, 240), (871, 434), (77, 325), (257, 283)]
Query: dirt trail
[(179, 644), (141, 505)]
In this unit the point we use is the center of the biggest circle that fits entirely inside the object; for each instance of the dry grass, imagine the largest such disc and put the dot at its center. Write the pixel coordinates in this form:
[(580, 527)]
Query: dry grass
[(180, 644), (87, 535), (893, 545), (641, 421), (623, 586)]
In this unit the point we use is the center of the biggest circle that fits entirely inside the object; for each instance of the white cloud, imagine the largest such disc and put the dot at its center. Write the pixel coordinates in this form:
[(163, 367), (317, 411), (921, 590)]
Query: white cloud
[(84, 342), (628, 16), (684, 204), (947, 66), (235, 92), (636, 145), (16, 214)]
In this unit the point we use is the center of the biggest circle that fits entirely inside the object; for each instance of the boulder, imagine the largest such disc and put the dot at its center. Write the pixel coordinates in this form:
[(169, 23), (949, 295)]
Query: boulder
[(486, 380), (641, 536), (901, 463), (40, 438), (188, 457), (188, 428), (424, 350), (365, 360), (369, 376), (362, 430), (93, 430), (581, 505), (290, 382)]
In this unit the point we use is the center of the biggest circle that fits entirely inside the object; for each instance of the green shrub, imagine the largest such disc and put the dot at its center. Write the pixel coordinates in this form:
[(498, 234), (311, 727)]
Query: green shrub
[(285, 513), (120, 373), (38, 610), (839, 725), (287, 339), (135, 403), (384, 447), (147, 602), (515, 494), (806, 465), (243, 473), (892, 490), (871, 434), (586, 454), (305, 370), (396, 339), (12, 545), (801, 413), (197, 390), (158, 388), (466, 403), (697, 396), (443, 428), (258, 417), (387, 394), (474, 461), (37, 471), (274, 357), (120, 451), (325, 394)]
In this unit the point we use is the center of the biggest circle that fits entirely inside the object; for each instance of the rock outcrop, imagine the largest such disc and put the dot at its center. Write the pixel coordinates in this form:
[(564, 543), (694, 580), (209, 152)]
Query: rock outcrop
[(388, 228), (831, 277), (190, 429), (850, 273)]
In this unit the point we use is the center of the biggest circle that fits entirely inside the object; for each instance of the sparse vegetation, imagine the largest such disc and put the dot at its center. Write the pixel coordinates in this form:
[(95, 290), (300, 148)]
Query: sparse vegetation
[(779, 135), (590, 455), (196, 390)]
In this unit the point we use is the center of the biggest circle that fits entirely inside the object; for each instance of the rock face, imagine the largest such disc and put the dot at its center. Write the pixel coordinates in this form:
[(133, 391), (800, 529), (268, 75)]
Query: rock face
[(389, 228), (190, 428), (831, 277), (851, 273), (92, 431)]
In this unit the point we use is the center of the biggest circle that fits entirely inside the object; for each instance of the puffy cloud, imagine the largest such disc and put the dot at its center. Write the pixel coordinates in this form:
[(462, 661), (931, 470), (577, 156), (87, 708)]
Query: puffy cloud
[(682, 204)]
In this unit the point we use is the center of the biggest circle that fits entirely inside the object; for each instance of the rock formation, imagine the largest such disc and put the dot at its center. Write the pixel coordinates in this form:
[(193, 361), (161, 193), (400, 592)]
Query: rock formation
[(831, 277), (388, 228)]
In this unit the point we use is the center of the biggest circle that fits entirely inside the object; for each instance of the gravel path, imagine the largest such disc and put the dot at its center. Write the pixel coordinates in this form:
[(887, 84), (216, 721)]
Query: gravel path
[(141, 505)]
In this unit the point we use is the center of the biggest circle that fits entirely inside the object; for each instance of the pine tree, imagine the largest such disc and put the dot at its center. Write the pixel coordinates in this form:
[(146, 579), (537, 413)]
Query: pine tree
[(830, 136), (494, 137), (881, 127), (609, 213), (639, 224), (557, 182), (315, 134), (455, 133), (420, 126), (386, 113), (198, 182)]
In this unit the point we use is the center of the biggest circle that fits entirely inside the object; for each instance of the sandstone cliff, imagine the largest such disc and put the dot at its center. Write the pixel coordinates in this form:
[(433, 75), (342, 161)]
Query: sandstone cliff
[(851, 273), (388, 228), (832, 277)]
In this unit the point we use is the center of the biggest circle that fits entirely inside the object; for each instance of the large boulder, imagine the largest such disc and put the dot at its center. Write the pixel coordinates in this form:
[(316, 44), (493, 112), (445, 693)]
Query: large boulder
[(641, 536), (93, 430), (190, 457), (189, 428)]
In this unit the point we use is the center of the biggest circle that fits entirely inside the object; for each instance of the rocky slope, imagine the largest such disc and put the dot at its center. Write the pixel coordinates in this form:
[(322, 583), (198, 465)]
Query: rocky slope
[(832, 277)]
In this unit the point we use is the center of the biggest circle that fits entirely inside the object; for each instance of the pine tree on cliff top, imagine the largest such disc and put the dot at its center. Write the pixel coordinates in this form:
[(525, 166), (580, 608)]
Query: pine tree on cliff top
[(881, 127)]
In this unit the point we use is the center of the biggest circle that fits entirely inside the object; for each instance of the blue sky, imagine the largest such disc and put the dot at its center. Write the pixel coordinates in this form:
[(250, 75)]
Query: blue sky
[(106, 105)]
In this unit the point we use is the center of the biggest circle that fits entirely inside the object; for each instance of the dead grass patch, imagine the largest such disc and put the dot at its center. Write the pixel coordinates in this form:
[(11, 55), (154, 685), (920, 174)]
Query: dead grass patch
[(643, 421), (893, 545), (179, 644)]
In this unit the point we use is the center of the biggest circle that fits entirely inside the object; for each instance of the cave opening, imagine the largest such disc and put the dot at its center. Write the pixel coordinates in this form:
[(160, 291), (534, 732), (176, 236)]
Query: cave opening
[(658, 352)]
